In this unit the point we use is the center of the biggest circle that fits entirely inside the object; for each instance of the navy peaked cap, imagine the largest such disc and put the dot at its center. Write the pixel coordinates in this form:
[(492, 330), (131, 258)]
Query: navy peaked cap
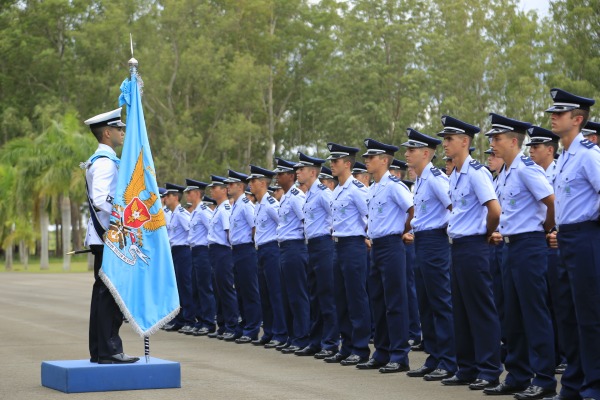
[(326, 173), (489, 151), (502, 124), (453, 126), (306, 161), (471, 149), (417, 139), (173, 188), (284, 165), (359, 168), (339, 151), (216, 180), (540, 135), (234, 176), (399, 164), (591, 128), (260, 172), (375, 148), (193, 185), (162, 191), (565, 101), (208, 200)]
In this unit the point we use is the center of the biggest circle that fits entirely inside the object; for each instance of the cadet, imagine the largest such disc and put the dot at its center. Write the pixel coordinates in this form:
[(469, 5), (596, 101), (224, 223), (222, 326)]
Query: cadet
[(105, 344), (277, 191), (293, 260), (324, 332), (576, 187), (590, 131), (241, 236), (432, 275), (474, 217), (528, 327), (162, 192), (204, 297), (349, 207), (390, 212), (219, 252), (327, 179), (359, 172), (449, 165), (266, 219)]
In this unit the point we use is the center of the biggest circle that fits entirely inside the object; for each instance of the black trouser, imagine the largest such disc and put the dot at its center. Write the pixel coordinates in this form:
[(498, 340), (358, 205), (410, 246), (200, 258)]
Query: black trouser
[(105, 316)]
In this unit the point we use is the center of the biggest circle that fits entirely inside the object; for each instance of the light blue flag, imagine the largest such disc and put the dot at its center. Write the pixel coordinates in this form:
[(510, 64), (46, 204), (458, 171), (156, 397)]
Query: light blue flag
[(137, 266)]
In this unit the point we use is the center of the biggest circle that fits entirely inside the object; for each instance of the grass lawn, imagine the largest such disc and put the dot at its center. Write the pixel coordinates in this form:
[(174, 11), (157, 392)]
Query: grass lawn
[(78, 264)]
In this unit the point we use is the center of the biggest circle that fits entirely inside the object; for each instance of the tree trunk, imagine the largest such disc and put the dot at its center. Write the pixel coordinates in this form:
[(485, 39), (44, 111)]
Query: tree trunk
[(76, 223), (44, 236), (65, 214), (24, 254), (57, 246), (90, 261), (8, 257)]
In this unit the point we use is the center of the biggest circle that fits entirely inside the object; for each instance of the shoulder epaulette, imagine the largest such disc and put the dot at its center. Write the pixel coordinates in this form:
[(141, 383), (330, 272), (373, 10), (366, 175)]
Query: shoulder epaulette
[(527, 161), (435, 171), (245, 199), (295, 191), (203, 207), (180, 209), (394, 179), (587, 144), (475, 164), (358, 183), (271, 200), (227, 207), (321, 186)]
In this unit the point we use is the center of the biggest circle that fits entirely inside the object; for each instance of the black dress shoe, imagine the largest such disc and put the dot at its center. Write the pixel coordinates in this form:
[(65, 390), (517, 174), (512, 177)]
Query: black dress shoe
[(290, 349), (561, 397), (120, 358), (273, 344), (221, 336), (481, 384), (201, 332), (371, 364), (534, 393), (187, 329), (282, 346), (393, 367), (324, 354), (352, 359), (307, 351), (243, 340), (213, 335), (335, 359), (419, 372), (418, 347), (260, 342), (94, 360), (503, 389), (172, 327), (230, 337), (456, 381), (560, 369), (438, 375)]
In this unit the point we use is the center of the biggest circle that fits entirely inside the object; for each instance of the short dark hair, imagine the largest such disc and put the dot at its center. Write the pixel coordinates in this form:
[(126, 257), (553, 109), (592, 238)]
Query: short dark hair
[(98, 131), (584, 113), (554, 146), (520, 136)]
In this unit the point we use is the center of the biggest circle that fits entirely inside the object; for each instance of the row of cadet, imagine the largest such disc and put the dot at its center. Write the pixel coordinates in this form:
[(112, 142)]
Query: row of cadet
[(484, 268)]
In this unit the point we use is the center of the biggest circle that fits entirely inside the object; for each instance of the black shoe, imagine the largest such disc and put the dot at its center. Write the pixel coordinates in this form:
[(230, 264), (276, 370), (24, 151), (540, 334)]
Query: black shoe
[(371, 364), (392, 367), (201, 332), (243, 340), (213, 335), (418, 347), (120, 358), (307, 351), (561, 397), (503, 389), (419, 372), (230, 337), (534, 393), (260, 342), (560, 369), (353, 359), (290, 349), (335, 359), (282, 346), (187, 329), (456, 381), (172, 327), (221, 336), (481, 384), (324, 354), (438, 375), (273, 344), (94, 360)]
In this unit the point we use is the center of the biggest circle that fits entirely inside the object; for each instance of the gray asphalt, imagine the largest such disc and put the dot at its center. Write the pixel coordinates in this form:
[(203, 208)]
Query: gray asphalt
[(45, 317)]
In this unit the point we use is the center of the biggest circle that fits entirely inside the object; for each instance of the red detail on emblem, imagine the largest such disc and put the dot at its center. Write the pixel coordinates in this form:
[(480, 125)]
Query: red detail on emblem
[(136, 214)]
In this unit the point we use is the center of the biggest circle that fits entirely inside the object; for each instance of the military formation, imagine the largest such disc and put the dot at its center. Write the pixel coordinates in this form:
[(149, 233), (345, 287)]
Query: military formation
[(487, 268)]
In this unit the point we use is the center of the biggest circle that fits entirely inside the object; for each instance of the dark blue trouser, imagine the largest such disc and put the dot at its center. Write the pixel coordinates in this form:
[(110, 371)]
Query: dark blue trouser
[(324, 332), (269, 280), (203, 291), (496, 257), (528, 327), (296, 305), (552, 276), (387, 288), (414, 321), (476, 322), (222, 265), (246, 283), (351, 299), (435, 299), (182, 261), (580, 254)]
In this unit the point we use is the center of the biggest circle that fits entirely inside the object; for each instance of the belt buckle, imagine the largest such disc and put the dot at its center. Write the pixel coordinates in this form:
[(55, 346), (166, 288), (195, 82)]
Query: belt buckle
[(506, 239), (450, 239), (335, 239)]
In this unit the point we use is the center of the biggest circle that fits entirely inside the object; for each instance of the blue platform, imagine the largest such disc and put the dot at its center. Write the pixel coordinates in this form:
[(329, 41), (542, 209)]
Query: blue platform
[(78, 376)]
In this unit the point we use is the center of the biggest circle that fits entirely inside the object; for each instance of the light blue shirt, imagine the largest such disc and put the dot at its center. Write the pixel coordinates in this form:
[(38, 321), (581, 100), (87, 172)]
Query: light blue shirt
[(266, 219), (431, 200), (290, 225), (470, 189), (199, 224), (349, 206), (317, 211), (389, 200), (167, 214), (179, 227), (551, 172), (219, 225), (577, 183), (241, 221), (522, 187)]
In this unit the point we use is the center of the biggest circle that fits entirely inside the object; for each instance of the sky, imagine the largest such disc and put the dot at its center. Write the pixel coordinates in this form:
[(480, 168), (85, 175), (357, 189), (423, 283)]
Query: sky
[(541, 6)]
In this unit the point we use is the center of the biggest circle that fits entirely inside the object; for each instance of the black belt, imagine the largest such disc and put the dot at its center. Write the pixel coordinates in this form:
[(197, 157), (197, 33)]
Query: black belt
[(386, 239), (426, 231), (466, 239), (579, 226), (318, 239), (237, 246), (283, 243), (508, 239), (180, 246), (342, 239), (259, 246)]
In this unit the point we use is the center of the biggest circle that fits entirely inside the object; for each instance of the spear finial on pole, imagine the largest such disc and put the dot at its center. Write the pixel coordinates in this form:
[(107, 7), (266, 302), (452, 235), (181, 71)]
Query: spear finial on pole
[(133, 63)]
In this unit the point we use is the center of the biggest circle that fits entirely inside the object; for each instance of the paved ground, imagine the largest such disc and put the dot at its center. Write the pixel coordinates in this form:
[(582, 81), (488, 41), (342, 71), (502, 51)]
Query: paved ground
[(44, 317)]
